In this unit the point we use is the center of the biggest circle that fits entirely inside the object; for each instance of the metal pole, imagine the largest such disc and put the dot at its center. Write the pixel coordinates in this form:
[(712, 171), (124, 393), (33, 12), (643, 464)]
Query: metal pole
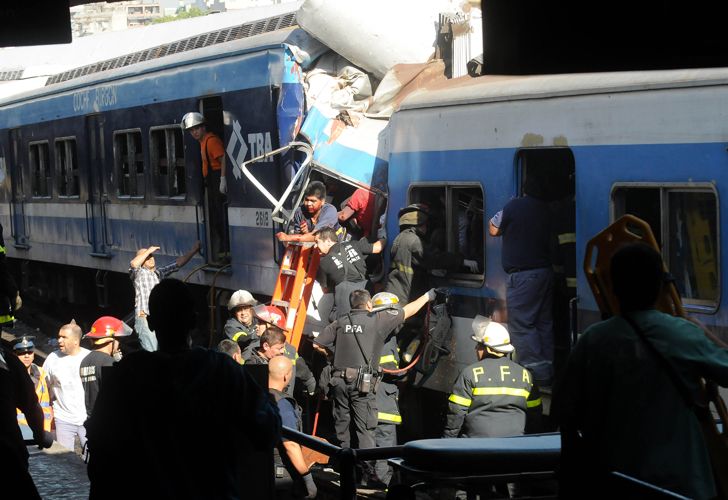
[(347, 470)]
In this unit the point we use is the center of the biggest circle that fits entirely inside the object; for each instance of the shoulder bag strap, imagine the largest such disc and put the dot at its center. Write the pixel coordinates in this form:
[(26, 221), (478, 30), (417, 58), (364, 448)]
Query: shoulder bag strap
[(666, 365)]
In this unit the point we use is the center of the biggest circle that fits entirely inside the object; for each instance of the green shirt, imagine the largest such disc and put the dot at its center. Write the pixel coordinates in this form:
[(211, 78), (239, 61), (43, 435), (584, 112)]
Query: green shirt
[(633, 418)]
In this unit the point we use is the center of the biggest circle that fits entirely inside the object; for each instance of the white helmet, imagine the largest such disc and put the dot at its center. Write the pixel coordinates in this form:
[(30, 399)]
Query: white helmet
[(241, 298), (192, 119), (491, 334), (384, 300)]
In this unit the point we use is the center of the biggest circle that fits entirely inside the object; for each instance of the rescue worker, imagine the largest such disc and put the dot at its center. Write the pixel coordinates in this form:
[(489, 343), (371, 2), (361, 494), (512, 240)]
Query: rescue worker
[(242, 326), (24, 350), (314, 214), (412, 259), (564, 225), (491, 397), (356, 340), (212, 153), (388, 415), (104, 334), (342, 267), (292, 473), (271, 341), (17, 392), (232, 349)]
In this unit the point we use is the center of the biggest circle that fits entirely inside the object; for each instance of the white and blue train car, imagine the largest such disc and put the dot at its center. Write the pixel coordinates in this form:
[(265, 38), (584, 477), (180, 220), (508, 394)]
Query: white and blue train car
[(95, 167), (653, 144)]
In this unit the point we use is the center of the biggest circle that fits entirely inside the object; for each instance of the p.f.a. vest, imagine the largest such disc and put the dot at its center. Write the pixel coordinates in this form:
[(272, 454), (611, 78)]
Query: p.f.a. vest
[(358, 340), (280, 457), (492, 397)]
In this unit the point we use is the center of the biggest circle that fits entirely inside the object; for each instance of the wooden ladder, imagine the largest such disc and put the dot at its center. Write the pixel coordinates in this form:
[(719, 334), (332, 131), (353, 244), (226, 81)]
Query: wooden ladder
[(294, 285)]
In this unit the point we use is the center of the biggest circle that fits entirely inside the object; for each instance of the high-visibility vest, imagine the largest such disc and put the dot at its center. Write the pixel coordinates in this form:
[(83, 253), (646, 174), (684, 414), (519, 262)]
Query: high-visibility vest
[(44, 398)]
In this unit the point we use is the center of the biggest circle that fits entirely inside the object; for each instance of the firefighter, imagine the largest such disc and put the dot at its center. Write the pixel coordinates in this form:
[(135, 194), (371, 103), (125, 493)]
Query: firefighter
[(388, 415), (356, 340), (491, 397), (24, 349), (242, 326), (9, 294), (104, 335)]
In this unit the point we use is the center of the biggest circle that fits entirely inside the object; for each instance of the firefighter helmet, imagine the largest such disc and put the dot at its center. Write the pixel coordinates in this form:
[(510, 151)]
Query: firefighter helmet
[(241, 298), (491, 334), (192, 119), (384, 300), (106, 328), (271, 315), (415, 214)]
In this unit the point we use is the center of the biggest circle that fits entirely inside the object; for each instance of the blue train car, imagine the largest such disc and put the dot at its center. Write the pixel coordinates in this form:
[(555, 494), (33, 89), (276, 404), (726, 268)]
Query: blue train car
[(96, 167), (652, 144)]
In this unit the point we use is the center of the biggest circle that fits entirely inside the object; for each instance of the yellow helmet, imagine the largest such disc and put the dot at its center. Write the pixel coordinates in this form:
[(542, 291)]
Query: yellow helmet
[(384, 300)]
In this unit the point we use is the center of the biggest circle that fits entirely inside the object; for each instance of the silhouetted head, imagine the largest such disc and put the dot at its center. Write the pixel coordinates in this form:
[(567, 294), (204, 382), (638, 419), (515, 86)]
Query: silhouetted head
[(637, 275), (171, 314)]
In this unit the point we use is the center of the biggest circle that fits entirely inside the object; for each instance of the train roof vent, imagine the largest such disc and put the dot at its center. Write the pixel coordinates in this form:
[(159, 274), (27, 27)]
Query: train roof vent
[(203, 40), (11, 75)]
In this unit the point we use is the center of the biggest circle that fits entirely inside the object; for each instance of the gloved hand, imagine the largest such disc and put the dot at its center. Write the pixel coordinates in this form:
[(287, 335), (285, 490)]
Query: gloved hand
[(18, 302), (223, 185), (431, 295), (45, 441), (311, 490), (471, 265)]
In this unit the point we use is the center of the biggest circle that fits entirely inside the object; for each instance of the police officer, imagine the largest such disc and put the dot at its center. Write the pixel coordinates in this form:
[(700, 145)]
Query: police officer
[(24, 349), (356, 340), (492, 396)]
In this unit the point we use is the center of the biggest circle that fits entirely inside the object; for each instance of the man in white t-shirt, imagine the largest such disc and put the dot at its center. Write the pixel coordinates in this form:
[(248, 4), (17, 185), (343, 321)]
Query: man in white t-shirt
[(62, 370)]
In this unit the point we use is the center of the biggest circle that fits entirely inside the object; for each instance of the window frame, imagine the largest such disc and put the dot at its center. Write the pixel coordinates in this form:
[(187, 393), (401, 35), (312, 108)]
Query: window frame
[(455, 279), (48, 171), (118, 162), (179, 162), (75, 174), (703, 306)]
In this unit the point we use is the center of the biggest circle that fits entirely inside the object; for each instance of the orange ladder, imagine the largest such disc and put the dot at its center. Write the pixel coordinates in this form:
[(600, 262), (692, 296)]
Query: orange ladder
[(294, 286)]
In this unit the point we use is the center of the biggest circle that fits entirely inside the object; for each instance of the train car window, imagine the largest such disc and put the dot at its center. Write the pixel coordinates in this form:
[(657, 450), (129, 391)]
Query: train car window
[(129, 163), (40, 170), (67, 168), (456, 226), (685, 223), (167, 157)]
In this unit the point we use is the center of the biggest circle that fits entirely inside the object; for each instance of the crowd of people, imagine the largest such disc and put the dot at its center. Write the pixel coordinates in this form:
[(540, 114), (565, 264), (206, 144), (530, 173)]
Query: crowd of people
[(169, 404)]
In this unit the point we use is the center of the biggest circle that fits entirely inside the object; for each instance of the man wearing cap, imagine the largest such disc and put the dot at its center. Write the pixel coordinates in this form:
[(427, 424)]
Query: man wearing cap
[(104, 333), (271, 342), (242, 326), (145, 275), (24, 349), (356, 341), (491, 397)]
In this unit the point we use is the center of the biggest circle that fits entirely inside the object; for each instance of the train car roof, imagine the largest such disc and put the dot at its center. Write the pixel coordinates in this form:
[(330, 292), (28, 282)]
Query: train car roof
[(468, 90), (264, 41)]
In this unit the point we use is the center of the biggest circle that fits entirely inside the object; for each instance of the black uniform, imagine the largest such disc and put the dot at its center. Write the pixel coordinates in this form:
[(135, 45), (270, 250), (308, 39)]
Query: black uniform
[(411, 261), (8, 288), (288, 481), (388, 416), (371, 330), (343, 270), (91, 371), (240, 333), (490, 398)]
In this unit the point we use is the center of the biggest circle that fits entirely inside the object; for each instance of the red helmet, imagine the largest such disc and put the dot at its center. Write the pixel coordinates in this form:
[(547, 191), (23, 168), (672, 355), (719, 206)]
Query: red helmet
[(271, 315), (108, 327)]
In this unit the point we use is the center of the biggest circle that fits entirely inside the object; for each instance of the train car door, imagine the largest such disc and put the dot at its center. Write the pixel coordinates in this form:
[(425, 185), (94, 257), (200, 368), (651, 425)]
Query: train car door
[(96, 195), (552, 173), (215, 204), (18, 226)]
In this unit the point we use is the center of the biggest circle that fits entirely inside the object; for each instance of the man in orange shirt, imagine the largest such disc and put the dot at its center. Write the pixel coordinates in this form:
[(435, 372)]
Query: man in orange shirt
[(212, 152)]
